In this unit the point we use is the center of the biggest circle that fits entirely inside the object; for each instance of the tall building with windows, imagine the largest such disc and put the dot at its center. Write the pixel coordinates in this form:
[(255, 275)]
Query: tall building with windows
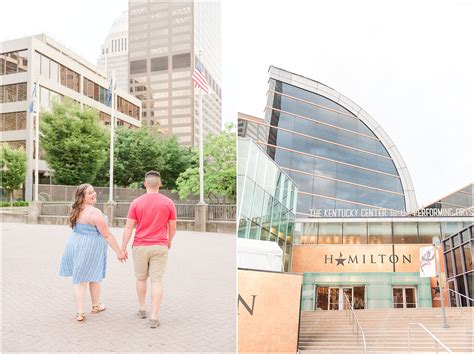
[(114, 52), (337, 154), (165, 42), (59, 73)]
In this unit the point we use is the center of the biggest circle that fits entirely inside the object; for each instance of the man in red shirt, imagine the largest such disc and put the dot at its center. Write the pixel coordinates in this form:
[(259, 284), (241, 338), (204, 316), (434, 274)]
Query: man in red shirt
[(155, 217)]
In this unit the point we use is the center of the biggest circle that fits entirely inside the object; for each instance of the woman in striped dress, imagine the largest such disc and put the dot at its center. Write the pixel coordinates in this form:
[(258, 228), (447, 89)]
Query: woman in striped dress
[(85, 254)]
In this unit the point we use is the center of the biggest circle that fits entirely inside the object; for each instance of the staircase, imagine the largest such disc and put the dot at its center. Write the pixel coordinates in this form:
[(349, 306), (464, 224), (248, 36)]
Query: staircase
[(386, 330)]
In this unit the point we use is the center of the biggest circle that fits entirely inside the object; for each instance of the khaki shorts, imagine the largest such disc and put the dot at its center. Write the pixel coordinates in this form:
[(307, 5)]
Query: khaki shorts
[(150, 261)]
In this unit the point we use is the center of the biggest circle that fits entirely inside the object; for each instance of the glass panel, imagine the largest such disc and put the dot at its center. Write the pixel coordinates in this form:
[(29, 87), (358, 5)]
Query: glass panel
[(467, 256), (333, 298), (22, 91), (354, 233), (458, 260), (461, 289), (347, 295), (359, 297), (322, 298), (330, 233), (426, 231), (449, 264), (398, 298), (449, 228), (380, 233), (410, 296), (405, 232), (452, 295)]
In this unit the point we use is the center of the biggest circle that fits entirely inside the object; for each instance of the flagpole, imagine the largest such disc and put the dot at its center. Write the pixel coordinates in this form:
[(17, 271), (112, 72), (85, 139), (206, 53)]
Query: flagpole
[(112, 137), (201, 146), (36, 107)]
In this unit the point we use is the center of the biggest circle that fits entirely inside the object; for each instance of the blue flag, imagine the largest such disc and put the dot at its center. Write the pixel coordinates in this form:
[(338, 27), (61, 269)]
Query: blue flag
[(31, 105), (108, 99)]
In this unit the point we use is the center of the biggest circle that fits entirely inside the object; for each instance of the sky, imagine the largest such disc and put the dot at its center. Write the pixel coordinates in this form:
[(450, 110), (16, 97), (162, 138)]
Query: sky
[(407, 63)]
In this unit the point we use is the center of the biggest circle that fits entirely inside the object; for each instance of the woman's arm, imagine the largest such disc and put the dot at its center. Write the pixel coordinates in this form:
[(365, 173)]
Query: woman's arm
[(99, 221)]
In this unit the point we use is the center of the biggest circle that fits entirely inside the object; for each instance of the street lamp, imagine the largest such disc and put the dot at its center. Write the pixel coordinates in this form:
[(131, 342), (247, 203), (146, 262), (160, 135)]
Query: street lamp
[(436, 244)]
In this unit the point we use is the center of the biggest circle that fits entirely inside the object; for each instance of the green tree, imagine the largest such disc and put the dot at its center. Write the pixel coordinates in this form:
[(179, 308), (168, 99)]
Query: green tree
[(137, 151), (219, 168), (13, 169), (75, 143)]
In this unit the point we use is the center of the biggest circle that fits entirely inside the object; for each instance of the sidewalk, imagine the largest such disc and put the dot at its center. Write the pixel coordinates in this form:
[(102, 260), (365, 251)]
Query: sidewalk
[(197, 312)]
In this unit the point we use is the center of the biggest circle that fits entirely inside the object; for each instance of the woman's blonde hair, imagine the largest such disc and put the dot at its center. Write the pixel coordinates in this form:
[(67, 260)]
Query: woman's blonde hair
[(78, 204)]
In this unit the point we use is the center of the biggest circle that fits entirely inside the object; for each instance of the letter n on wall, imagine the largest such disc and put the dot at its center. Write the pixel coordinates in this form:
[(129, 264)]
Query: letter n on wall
[(247, 307)]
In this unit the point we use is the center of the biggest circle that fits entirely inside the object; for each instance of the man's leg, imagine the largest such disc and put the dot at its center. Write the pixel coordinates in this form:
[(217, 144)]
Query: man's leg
[(141, 293), (157, 269), (140, 262), (156, 297)]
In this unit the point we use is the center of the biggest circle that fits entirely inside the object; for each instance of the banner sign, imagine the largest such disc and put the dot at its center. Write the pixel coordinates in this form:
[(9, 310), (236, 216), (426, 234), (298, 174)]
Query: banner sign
[(427, 262)]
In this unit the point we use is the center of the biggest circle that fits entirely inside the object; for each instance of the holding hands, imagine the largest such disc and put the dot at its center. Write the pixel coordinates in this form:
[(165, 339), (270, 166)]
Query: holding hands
[(122, 255)]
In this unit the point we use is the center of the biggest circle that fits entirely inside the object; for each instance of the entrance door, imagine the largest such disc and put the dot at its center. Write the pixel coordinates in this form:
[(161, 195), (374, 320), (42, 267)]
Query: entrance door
[(404, 297), (333, 298)]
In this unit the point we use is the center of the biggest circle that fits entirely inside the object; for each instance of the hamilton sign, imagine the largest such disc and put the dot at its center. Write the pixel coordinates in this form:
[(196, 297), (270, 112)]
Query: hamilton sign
[(355, 258), (366, 259)]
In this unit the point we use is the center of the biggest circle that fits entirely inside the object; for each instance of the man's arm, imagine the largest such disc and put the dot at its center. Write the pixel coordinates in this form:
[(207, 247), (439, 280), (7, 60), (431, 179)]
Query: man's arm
[(171, 231), (127, 233)]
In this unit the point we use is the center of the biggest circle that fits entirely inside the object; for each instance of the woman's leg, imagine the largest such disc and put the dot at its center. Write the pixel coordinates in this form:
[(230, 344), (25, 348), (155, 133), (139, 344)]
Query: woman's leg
[(80, 296), (94, 289)]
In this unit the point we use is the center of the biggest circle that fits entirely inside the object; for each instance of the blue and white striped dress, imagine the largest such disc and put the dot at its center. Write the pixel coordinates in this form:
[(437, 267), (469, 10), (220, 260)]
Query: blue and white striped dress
[(85, 255)]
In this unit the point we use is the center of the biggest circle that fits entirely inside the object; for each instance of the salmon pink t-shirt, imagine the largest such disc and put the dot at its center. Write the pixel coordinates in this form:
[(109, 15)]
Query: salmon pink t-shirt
[(152, 211)]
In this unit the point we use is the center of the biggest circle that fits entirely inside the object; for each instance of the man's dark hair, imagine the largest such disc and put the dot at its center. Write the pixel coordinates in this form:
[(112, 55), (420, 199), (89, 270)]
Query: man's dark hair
[(152, 173)]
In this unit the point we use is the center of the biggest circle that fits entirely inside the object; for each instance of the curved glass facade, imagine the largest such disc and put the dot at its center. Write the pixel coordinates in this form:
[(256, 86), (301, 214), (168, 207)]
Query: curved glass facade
[(336, 161)]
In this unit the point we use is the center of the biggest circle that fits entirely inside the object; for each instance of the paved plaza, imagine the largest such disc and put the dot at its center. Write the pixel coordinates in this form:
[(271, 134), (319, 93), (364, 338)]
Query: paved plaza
[(38, 312)]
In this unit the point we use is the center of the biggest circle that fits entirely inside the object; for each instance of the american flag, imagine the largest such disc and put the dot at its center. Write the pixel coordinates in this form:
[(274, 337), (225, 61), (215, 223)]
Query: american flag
[(199, 78)]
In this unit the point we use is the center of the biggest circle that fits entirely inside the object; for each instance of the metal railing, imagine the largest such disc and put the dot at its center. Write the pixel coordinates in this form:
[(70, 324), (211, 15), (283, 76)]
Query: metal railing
[(427, 331), (185, 211), (222, 212), (355, 323), (457, 300)]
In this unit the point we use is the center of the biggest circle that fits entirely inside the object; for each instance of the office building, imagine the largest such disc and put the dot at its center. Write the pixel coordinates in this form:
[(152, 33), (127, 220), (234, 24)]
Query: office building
[(165, 42), (59, 73)]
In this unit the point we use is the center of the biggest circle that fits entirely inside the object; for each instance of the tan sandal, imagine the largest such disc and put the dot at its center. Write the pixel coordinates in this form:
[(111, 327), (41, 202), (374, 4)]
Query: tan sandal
[(98, 308), (81, 317)]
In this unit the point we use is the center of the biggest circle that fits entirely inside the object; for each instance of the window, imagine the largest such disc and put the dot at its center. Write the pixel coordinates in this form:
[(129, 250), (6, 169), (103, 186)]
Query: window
[(181, 61), (159, 64), (13, 62), (138, 67)]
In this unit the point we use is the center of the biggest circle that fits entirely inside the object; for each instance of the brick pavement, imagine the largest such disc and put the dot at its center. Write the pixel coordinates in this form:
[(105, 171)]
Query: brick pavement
[(197, 312)]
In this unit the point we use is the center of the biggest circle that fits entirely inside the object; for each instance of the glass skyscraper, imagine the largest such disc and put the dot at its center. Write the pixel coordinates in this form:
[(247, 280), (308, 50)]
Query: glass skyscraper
[(166, 39), (339, 157)]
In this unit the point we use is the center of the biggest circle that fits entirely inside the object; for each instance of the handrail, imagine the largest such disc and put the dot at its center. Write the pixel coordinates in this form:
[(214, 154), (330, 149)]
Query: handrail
[(456, 292), (358, 324), (429, 332)]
